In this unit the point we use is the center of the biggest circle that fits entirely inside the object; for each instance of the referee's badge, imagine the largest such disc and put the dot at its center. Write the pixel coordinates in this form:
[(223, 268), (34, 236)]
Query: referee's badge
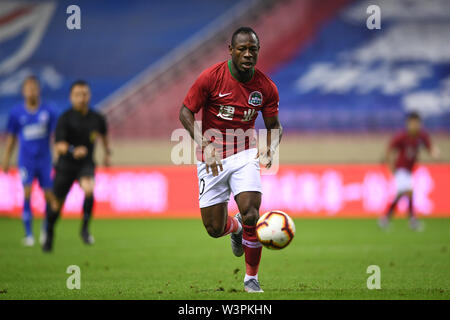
[(255, 99), (93, 136)]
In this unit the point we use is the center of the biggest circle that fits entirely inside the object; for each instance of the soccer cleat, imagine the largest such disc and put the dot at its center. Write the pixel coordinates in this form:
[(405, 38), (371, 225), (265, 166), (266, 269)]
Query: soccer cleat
[(48, 244), (236, 239), (252, 285), (383, 222), (87, 238), (28, 241)]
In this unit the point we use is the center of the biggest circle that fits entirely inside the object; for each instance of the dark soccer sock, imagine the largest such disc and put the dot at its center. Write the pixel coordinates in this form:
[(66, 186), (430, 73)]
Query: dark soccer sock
[(252, 250), (44, 224), (51, 218), (87, 211), (411, 206), (391, 209), (27, 218)]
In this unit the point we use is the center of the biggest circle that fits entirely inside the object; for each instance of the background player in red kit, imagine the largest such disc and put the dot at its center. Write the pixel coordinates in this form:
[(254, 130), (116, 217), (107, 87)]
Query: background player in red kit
[(405, 146), (230, 95)]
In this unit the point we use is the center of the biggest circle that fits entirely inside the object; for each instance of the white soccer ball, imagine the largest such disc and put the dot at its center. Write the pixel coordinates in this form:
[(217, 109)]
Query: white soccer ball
[(275, 229)]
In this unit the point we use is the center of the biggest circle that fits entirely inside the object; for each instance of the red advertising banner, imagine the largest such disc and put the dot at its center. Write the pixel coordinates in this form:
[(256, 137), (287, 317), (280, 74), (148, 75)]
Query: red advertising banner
[(299, 190)]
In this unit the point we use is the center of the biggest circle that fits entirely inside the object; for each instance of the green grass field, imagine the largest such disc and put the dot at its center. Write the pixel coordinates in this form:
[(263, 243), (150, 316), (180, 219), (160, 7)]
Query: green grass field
[(175, 259)]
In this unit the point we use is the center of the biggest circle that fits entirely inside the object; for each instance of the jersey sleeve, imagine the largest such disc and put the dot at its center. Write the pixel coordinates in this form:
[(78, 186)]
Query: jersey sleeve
[(61, 129), (270, 108), (198, 94), (103, 129), (395, 142), (12, 126)]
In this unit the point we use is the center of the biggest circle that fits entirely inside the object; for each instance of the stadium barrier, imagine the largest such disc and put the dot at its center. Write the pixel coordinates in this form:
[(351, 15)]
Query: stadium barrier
[(300, 190)]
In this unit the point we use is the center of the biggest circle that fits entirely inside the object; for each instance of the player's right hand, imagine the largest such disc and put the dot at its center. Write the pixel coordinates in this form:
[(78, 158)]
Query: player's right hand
[(80, 152), (212, 160), (265, 157), (435, 152)]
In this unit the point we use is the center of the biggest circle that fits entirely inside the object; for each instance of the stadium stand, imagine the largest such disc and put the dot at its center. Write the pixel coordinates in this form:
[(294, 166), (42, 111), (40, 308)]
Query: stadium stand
[(351, 78), (142, 58), (116, 42), (156, 99)]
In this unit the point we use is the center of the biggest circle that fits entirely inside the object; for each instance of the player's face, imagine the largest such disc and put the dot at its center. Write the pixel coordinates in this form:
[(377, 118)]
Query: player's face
[(80, 97), (244, 52), (31, 91), (413, 126)]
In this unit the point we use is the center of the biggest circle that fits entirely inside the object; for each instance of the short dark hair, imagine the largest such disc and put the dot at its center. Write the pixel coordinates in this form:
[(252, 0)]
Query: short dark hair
[(246, 30), (30, 78), (413, 116), (78, 83)]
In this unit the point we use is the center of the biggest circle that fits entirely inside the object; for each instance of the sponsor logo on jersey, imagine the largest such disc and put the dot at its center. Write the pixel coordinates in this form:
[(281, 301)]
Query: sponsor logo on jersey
[(248, 115), (226, 112), (255, 99), (34, 131)]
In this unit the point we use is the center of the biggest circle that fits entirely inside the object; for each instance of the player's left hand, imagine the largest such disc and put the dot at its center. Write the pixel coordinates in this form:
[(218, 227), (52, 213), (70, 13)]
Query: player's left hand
[(265, 157), (435, 153)]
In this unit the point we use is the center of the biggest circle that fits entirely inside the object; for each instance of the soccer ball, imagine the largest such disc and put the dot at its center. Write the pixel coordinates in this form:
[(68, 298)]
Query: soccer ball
[(275, 229)]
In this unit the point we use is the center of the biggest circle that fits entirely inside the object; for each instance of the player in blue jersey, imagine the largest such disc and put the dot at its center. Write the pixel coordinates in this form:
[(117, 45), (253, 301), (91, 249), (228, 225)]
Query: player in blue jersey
[(31, 124)]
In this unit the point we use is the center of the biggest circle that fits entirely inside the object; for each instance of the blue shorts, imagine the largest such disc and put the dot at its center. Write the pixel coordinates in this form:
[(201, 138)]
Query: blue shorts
[(39, 169)]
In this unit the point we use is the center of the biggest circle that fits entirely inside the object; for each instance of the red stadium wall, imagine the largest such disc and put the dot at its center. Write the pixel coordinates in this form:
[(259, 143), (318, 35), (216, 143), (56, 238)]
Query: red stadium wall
[(300, 190)]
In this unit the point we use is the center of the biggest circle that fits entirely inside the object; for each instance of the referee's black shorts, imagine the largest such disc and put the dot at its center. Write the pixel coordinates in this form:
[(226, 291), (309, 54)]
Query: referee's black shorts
[(66, 176)]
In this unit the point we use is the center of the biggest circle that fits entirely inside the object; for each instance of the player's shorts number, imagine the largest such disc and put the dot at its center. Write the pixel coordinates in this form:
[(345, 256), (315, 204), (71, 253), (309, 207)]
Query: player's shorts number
[(202, 186)]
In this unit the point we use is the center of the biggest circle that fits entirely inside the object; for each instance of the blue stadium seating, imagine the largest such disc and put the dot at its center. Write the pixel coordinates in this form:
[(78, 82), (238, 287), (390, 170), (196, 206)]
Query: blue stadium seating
[(117, 40)]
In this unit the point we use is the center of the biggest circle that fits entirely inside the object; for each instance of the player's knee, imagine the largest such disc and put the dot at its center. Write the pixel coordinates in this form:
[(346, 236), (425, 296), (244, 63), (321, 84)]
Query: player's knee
[(89, 193), (88, 190), (49, 196), (56, 204), (250, 216), (88, 187), (214, 231), (27, 193)]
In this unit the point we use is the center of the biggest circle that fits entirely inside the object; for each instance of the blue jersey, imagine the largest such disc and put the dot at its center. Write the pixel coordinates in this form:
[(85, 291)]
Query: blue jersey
[(33, 130)]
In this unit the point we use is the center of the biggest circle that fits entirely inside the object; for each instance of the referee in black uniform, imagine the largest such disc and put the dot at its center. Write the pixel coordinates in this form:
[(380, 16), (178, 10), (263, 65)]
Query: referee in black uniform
[(76, 132)]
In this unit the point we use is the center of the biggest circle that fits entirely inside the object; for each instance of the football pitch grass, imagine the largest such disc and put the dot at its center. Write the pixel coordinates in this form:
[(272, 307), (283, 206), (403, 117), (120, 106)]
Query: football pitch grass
[(176, 259)]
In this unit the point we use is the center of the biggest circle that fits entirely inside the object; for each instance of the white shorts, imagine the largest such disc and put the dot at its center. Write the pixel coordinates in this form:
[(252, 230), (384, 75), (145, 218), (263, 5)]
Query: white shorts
[(403, 180), (240, 173)]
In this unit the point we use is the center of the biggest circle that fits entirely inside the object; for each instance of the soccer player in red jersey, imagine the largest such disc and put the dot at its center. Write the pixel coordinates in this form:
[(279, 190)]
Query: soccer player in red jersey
[(405, 145), (230, 94)]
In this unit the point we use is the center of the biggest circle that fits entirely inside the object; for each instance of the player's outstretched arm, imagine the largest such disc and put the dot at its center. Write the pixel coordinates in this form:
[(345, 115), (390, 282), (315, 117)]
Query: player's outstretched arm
[(9, 148)]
